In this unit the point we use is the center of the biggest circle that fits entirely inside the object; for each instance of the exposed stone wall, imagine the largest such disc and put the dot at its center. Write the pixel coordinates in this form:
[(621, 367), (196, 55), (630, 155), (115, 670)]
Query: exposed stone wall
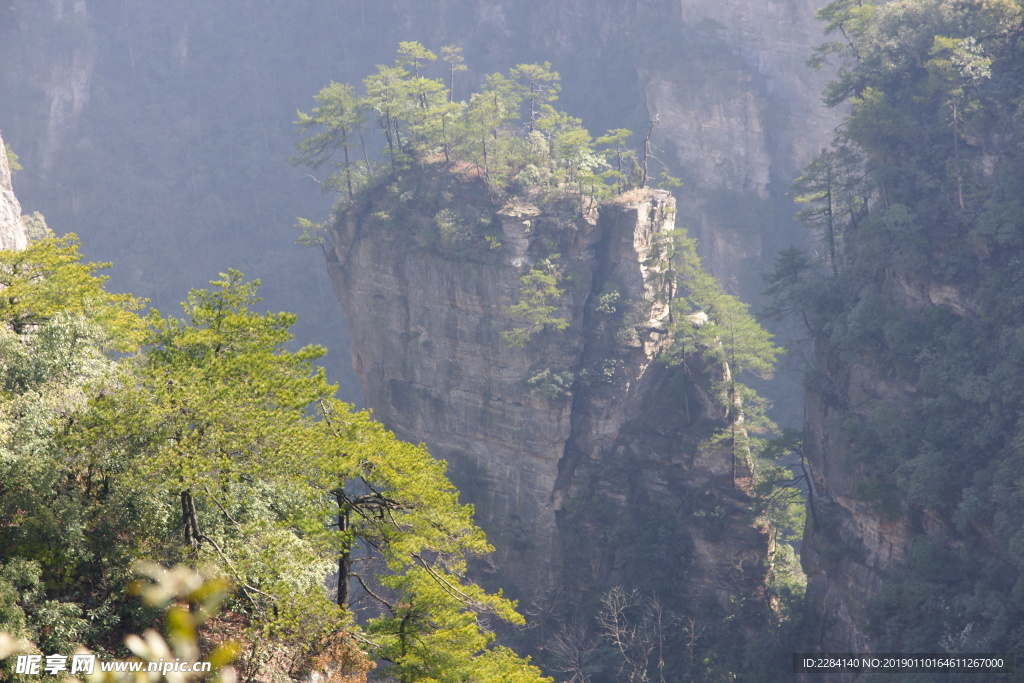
[(550, 475), (12, 230)]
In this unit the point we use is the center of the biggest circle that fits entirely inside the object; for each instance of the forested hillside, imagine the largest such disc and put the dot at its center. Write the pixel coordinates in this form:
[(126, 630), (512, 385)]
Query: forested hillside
[(915, 311), (127, 441)]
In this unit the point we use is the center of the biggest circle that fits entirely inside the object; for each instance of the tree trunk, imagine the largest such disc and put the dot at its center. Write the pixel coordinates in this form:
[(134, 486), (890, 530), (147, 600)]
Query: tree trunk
[(345, 557), (190, 520)]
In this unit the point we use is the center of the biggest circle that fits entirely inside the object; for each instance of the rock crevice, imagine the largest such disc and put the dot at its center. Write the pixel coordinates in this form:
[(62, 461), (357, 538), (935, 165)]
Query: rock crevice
[(577, 437)]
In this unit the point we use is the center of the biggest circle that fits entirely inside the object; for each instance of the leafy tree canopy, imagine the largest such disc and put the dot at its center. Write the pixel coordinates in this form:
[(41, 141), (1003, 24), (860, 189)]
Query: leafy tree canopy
[(509, 131), (211, 443), (919, 196)]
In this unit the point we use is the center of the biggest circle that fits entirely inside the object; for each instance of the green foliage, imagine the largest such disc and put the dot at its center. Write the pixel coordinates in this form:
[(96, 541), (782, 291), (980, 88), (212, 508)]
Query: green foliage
[(198, 598), (923, 294), (313, 234), (48, 278), (835, 191), (12, 159), (636, 313), (779, 499), (537, 305), (609, 300), (709, 321), (552, 385), (339, 120), (453, 232), (619, 157), (216, 445), (509, 132)]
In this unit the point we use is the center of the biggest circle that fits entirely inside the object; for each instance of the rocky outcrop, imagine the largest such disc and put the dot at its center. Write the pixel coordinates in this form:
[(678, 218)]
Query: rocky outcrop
[(582, 453), (13, 234), (54, 58)]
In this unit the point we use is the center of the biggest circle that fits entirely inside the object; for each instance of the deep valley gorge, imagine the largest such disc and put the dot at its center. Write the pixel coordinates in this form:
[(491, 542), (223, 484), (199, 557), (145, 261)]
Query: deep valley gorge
[(672, 339)]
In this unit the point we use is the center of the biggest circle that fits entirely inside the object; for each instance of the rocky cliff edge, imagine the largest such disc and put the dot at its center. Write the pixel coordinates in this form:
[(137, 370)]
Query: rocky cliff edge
[(13, 234), (582, 454)]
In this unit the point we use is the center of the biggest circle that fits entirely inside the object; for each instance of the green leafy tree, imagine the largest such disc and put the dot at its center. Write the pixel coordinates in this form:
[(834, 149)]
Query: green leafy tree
[(443, 125), (339, 120), (537, 305), (413, 56), (574, 152), (215, 445), (707, 319), (452, 56), (957, 66), (489, 113), (620, 157), (48, 278), (835, 191), (428, 107), (57, 555), (222, 399), (387, 93), (538, 87)]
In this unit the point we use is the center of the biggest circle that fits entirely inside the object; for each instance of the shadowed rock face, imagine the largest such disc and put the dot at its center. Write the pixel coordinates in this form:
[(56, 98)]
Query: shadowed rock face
[(12, 230), (848, 546), (574, 447)]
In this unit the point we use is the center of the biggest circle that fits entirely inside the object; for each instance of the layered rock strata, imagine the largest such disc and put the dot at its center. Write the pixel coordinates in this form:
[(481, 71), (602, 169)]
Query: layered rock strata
[(579, 448)]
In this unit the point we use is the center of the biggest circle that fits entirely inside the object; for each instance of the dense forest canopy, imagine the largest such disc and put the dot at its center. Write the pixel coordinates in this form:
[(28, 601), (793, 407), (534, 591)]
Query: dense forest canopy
[(917, 206), (203, 441)]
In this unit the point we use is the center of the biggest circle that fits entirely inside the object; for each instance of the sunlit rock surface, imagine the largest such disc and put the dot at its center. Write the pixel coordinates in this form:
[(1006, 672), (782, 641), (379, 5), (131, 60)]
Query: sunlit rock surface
[(12, 230)]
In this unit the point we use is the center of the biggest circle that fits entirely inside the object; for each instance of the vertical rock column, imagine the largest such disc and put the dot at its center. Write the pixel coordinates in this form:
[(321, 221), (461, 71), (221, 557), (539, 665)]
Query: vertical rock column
[(610, 428), (12, 230)]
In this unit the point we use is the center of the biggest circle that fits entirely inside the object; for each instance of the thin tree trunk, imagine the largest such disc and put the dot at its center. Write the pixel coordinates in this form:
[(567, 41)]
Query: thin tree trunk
[(366, 158), (348, 168), (647, 152), (345, 557), (956, 162), (831, 225), (190, 520)]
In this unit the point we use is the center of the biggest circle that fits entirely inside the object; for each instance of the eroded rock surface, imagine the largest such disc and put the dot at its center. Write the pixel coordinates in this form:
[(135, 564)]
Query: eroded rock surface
[(582, 453), (12, 230)]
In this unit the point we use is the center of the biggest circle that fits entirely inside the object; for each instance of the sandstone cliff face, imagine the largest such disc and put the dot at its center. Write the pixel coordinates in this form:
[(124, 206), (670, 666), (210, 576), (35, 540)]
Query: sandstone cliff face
[(12, 230), (858, 543), (580, 451), (741, 124)]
